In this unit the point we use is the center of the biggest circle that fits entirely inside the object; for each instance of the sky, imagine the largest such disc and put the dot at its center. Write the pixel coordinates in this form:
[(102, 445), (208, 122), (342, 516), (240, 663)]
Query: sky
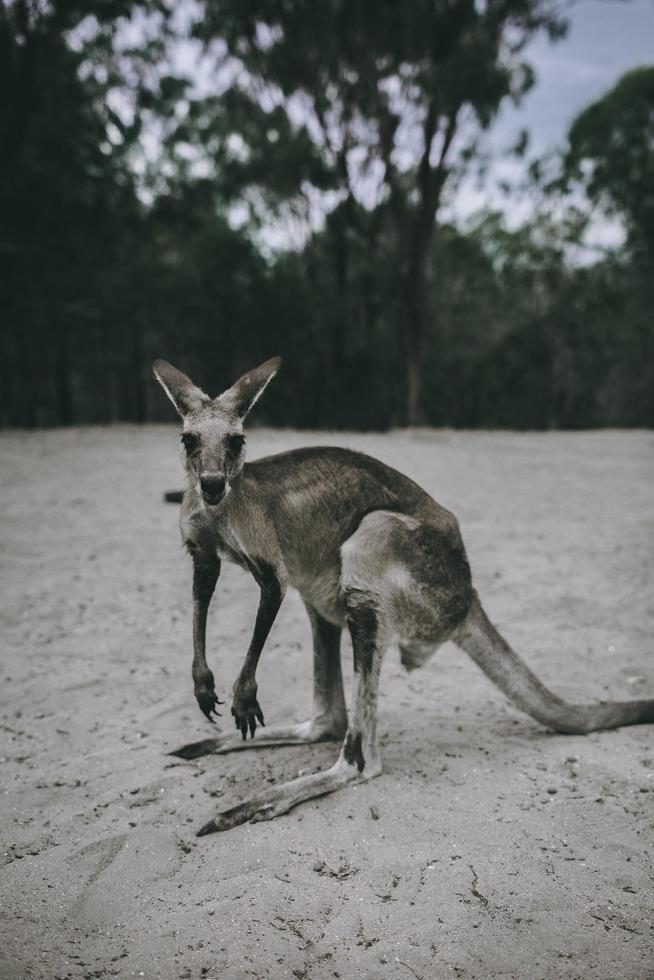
[(606, 39)]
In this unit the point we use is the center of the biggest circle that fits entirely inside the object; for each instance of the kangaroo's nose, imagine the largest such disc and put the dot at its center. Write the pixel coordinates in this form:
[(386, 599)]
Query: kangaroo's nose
[(212, 487)]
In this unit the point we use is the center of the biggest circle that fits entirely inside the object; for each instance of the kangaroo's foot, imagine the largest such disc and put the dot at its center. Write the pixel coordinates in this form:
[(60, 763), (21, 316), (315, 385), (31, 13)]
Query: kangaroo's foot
[(304, 733), (280, 799)]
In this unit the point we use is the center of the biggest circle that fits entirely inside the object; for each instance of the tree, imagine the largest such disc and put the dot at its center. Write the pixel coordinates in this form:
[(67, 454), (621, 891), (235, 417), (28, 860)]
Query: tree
[(611, 154), (68, 202), (392, 97), (57, 189)]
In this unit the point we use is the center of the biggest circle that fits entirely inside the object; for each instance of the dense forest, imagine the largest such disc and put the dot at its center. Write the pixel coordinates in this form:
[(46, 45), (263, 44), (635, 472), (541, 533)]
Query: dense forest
[(136, 193)]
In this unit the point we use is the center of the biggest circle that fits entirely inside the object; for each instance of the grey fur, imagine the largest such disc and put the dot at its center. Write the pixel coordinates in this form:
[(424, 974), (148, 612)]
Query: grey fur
[(366, 548)]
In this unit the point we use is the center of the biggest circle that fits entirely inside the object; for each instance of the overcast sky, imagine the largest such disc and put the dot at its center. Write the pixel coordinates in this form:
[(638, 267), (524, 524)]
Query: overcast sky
[(606, 39)]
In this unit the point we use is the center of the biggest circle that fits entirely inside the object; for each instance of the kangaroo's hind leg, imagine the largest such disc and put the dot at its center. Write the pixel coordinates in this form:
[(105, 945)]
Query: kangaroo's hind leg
[(329, 718), (402, 579), (371, 573), (359, 757)]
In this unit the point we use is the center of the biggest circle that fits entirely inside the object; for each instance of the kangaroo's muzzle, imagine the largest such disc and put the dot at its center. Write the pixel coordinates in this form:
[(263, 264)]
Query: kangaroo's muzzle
[(213, 488)]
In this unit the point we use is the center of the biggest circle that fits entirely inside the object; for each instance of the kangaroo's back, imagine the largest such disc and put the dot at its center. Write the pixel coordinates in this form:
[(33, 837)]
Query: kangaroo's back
[(335, 484)]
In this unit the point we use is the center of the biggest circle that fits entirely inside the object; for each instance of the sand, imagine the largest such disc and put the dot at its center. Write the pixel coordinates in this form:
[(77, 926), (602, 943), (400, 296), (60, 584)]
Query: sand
[(488, 848)]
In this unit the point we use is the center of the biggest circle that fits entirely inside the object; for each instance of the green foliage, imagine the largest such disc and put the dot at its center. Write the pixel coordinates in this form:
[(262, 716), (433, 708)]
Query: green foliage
[(611, 152)]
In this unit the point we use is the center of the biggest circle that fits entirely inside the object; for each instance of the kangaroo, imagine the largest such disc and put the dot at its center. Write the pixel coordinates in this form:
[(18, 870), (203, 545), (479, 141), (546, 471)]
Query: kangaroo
[(366, 548)]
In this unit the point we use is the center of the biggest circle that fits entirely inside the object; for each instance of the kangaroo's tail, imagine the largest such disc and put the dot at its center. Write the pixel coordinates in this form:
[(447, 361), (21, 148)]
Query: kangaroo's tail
[(173, 496), (490, 651)]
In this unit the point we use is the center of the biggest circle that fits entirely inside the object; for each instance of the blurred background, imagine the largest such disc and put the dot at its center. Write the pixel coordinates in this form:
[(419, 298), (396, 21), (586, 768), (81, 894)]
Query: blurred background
[(437, 211)]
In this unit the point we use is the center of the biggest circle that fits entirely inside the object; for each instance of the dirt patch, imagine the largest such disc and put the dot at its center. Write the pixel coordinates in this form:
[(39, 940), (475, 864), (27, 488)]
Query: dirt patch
[(488, 848)]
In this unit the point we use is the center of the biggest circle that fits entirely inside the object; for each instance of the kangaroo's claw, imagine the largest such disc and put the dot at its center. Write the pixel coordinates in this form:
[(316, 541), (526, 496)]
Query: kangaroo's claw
[(208, 703), (246, 717)]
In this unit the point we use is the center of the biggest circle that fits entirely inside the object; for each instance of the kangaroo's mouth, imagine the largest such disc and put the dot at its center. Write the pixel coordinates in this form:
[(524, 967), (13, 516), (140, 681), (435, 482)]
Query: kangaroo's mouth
[(213, 499)]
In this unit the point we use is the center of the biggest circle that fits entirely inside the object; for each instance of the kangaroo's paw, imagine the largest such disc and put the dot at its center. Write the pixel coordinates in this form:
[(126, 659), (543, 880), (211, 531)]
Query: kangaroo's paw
[(246, 710), (304, 733), (280, 799), (205, 695), (248, 810)]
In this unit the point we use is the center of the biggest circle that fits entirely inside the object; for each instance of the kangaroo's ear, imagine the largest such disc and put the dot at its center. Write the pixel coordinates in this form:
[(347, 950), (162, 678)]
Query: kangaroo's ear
[(182, 392), (244, 393)]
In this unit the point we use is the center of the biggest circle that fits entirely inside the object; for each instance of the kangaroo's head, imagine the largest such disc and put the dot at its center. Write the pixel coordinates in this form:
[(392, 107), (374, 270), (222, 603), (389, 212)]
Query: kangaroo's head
[(212, 436)]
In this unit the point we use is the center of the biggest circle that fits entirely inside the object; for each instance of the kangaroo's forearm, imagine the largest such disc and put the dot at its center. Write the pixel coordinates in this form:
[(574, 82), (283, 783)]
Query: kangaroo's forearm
[(205, 575), (206, 569), (272, 583), (200, 611), (269, 604), (246, 709)]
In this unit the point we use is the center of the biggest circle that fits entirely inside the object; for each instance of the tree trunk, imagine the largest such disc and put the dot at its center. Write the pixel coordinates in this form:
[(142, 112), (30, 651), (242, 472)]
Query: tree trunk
[(63, 380), (137, 374), (412, 332), (338, 322), (415, 414), (416, 244), (414, 315), (340, 247)]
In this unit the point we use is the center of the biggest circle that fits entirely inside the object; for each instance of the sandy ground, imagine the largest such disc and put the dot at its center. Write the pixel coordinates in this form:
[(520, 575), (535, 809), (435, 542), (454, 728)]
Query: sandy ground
[(488, 848)]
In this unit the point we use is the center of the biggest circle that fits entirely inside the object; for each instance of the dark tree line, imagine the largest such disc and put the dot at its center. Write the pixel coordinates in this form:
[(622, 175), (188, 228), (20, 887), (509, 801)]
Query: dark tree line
[(385, 315)]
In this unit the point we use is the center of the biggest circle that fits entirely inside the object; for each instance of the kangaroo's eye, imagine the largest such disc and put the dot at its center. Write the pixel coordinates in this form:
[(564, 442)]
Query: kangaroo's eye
[(235, 444), (190, 442)]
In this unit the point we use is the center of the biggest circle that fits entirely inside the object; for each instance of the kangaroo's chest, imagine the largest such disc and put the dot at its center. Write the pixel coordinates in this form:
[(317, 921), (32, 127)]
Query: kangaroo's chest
[(229, 548), (313, 570)]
